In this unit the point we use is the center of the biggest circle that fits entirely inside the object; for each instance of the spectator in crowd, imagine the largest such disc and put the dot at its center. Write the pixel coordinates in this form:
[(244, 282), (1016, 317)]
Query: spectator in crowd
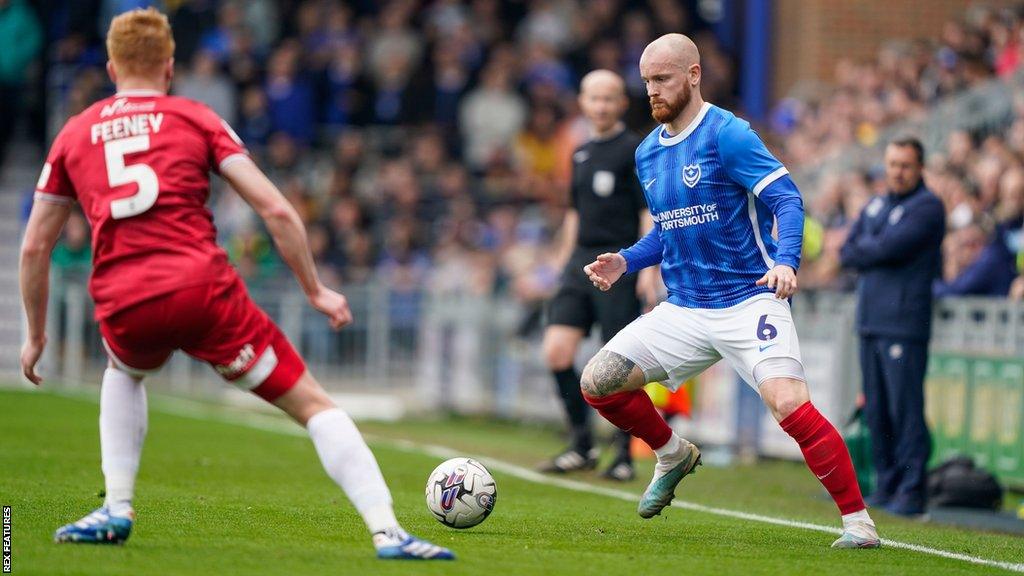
[(20, 40), (490, 117), (320, 41), (254, 125), (290, 95), (535, 153), (393, 99), (221, 39), (73, 253), (895, 246), (449, 81), (976, 263), (204, 82), (346, 86), (548, 22), (394, 41)]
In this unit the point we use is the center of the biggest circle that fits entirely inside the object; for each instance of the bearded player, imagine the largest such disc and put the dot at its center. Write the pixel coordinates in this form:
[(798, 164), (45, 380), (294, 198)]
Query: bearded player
[(713, 190), (138, 164)]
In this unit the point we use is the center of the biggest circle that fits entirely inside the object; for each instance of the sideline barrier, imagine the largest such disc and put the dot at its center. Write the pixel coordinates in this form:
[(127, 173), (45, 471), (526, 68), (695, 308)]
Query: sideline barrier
[(472, 355)]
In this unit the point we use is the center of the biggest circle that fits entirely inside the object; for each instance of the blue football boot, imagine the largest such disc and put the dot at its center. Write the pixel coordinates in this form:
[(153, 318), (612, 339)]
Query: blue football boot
[(662, 488), (859, 535), (99, 527), (396, 544)]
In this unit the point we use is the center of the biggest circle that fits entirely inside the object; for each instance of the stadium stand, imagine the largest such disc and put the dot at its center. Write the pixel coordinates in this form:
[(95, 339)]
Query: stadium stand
[(486, 90)]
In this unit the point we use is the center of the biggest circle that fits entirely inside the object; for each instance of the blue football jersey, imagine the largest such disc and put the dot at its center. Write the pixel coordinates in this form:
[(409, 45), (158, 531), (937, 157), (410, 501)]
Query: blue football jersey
[(714, 192)]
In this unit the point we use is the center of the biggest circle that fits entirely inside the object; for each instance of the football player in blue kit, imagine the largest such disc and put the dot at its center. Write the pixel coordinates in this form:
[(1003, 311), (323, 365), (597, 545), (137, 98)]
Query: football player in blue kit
[(715, 193)]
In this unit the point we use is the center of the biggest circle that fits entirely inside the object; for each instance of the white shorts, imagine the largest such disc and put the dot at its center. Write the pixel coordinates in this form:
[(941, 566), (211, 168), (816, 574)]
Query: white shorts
[(672, 344)]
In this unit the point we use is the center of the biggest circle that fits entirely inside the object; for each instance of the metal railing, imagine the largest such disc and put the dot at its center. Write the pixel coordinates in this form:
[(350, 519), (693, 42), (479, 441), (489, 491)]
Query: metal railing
[(419, 352), (435, 352), (466, 353)]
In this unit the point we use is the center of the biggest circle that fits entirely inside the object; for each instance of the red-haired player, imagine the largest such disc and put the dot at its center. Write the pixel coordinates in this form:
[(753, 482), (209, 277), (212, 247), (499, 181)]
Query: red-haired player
[(138, 164)]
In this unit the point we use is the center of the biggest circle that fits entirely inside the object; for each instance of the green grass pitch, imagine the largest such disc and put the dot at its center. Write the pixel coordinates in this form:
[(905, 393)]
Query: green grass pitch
[(216, 497)]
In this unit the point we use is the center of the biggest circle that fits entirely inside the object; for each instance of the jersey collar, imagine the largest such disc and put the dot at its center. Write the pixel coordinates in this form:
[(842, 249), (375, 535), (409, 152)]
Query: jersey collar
[(666, 140), (139, 92)]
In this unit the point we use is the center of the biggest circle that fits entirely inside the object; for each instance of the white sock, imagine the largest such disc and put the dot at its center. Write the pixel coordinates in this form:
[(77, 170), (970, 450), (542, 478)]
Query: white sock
[(670, 447), (123, 422), (389, 537), (349, 462), (859, 517)]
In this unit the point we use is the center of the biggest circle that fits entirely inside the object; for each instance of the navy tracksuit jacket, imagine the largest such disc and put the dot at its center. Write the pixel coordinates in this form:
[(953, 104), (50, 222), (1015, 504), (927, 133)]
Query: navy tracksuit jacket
[(895, 247)]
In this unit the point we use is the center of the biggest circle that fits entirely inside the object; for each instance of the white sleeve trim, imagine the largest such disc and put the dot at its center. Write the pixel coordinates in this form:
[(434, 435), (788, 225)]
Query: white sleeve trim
[(752, 212), (760, 186), (236, 157), (52, 198)]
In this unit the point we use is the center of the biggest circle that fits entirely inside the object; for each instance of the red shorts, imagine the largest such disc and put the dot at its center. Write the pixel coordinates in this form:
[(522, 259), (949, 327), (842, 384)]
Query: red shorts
[(217, 323)]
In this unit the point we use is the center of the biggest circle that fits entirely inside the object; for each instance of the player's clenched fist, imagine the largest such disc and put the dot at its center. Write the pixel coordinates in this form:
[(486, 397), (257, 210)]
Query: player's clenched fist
[(782, 279), (333, 305), (606, 270)]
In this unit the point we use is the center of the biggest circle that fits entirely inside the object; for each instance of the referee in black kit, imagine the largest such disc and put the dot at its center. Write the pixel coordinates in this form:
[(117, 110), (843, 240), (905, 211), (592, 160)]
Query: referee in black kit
[(896, 248), (604, 189)]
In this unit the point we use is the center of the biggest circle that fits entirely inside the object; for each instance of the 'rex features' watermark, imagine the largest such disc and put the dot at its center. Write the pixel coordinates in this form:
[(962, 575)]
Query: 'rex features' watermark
[(7, 539)]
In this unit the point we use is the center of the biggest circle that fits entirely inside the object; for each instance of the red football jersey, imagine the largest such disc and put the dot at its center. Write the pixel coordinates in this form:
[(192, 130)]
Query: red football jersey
[(139, 164)]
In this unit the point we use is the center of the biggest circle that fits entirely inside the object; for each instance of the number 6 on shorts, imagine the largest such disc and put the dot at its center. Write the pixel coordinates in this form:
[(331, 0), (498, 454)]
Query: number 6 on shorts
[(765, 331)]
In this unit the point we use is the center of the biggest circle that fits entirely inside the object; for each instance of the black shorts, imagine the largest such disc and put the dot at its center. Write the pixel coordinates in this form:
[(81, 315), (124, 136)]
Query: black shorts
[(579, 304)]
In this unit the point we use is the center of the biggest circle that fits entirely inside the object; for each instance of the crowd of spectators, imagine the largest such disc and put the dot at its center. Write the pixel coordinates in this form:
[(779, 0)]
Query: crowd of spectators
[(427, 144), (978, 175), (423, 143)]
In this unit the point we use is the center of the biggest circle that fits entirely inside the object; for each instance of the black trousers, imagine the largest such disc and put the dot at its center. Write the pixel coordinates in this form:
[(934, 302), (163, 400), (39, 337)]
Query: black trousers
[(893, 371)]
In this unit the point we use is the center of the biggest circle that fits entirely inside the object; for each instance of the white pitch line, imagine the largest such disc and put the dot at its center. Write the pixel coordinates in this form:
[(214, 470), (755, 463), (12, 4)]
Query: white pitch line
[(532, 476), (200, 411)]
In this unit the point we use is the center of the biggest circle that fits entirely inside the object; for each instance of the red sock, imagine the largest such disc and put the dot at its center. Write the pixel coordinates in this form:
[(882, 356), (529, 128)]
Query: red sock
[(634, 413), (826, 455)]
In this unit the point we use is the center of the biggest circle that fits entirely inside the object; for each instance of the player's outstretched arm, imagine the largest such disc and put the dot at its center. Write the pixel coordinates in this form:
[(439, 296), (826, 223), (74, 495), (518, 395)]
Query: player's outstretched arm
[(289, 235), (44, 226), (646, 252)]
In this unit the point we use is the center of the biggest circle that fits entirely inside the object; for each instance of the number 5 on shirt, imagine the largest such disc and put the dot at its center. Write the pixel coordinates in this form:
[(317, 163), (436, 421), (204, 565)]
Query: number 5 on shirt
[(141, 174)]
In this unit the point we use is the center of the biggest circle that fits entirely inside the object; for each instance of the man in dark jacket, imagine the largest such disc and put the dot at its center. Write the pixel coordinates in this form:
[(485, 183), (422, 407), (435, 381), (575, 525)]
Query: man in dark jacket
[(895, 246)]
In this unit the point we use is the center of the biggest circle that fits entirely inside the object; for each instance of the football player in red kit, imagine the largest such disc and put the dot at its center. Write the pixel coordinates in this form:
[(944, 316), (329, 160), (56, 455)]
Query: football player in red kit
[(138, 163)]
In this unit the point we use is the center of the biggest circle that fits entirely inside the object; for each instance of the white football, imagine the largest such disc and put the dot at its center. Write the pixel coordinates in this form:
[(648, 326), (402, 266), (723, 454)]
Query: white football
[(461, 493)]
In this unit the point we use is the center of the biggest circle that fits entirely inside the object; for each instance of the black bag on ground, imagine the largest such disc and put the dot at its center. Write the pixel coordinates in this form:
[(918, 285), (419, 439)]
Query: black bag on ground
[(958, 482)]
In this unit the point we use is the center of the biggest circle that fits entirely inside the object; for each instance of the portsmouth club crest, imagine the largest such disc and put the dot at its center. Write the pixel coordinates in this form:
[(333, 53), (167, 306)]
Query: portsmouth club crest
[(691, 175)]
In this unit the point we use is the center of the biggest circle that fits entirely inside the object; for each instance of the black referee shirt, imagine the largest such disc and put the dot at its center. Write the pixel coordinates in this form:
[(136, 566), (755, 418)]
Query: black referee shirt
[(606, 191)]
